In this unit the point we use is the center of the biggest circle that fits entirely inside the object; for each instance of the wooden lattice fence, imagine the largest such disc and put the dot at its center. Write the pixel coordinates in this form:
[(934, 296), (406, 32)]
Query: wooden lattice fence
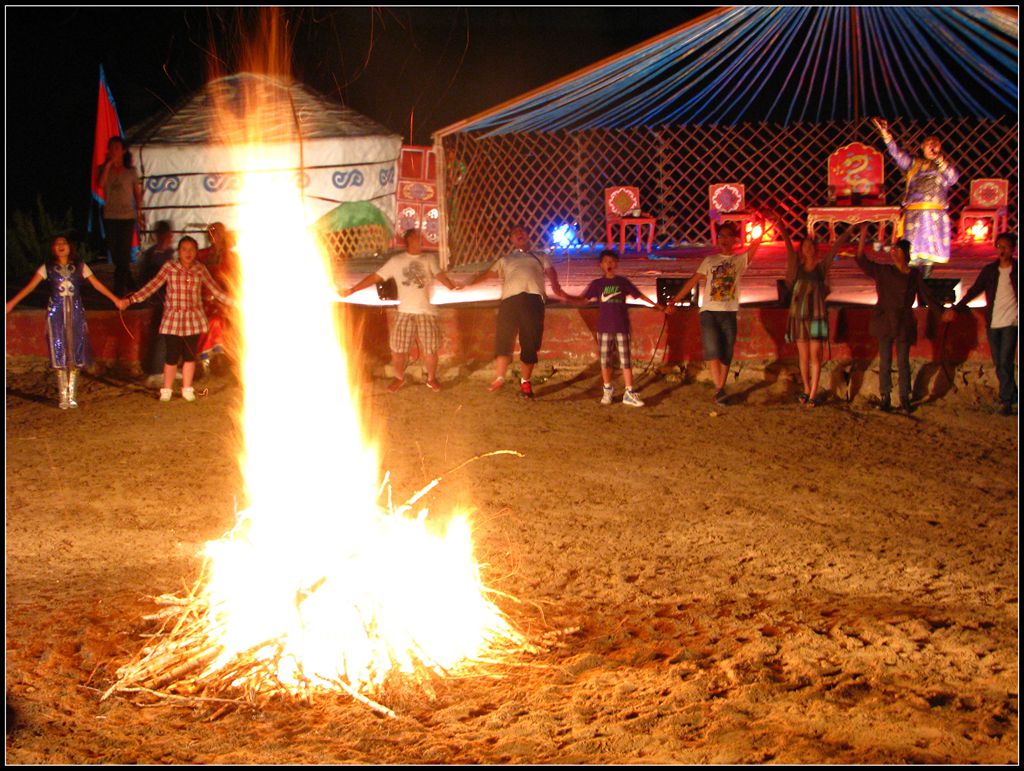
[(542, 180)]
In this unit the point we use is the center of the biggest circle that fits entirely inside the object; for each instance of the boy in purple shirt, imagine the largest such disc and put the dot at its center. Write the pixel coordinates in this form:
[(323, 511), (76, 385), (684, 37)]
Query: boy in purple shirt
[(611, 292)]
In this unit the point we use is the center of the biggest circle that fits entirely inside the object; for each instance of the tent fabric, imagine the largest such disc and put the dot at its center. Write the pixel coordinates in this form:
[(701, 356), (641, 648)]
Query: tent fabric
[(336, 155), (785, 65)]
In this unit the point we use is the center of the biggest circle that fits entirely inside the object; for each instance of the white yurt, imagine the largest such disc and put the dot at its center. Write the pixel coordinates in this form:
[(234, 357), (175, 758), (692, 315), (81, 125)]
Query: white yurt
[(344, 163)]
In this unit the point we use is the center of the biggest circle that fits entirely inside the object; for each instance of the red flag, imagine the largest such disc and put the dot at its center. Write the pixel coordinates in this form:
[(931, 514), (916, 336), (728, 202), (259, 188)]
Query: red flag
[(107, 125)]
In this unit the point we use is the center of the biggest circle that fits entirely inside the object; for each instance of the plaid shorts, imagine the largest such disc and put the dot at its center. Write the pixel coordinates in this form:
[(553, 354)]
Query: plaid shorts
[(607, 342), (416, 326)]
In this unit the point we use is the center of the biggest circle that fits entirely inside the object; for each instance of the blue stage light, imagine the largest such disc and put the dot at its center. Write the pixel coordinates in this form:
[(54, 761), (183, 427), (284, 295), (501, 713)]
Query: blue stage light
[(564, 236)]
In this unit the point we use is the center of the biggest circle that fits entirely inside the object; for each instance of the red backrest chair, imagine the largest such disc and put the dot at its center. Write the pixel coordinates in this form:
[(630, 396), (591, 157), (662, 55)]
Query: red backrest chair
[(728, 203), (856, 175), (621, 210), (989, 200)]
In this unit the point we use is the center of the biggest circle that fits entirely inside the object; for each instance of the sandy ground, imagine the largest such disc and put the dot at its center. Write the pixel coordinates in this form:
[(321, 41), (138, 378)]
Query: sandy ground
[(754, 583)]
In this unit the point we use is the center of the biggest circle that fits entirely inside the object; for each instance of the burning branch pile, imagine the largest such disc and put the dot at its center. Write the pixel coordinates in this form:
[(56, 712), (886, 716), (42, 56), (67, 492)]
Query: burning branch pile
[(342, 632)]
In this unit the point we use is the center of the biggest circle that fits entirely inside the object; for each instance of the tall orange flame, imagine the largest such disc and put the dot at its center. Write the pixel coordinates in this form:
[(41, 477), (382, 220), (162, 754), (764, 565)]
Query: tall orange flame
[(317, 579)]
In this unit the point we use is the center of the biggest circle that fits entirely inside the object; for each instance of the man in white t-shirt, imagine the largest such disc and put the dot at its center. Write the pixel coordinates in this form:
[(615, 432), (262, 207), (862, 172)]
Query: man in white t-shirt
[(721, 273), (522, 273), (414, 273)]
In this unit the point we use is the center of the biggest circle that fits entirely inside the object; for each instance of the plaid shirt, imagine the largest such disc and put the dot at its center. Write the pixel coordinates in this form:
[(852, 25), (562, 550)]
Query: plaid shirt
[(183, 306)]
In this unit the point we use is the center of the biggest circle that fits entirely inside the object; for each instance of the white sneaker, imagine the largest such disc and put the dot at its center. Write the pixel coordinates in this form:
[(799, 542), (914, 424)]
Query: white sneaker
[(188, 394), (165, 394), (631, 399), (606, 397)]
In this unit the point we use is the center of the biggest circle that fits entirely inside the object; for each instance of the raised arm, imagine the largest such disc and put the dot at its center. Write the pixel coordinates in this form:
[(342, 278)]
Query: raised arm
[(792, 258), (791, 254), (902, 158), (32, 284), (866, 265), (103, 172), (756, 244), (839, 243)]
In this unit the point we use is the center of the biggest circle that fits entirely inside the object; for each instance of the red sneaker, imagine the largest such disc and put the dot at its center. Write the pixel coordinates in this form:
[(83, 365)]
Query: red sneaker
[(433, 385), (526, 390), (496, 384), (395, 385)]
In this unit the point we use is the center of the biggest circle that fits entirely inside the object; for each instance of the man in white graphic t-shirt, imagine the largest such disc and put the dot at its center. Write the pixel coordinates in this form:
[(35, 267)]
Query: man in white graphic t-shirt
[(414, 273), (721, 273)]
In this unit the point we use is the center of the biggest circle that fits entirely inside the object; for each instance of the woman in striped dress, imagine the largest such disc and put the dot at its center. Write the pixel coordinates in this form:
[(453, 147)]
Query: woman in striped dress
[(184, 319), (807, 278)]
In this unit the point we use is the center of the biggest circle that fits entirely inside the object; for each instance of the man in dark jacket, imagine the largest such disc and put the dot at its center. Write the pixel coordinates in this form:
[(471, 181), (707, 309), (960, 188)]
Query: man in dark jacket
[(998, 280), (892, 320)]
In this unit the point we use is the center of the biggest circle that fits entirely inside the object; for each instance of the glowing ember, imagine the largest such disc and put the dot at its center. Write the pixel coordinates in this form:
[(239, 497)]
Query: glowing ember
[(317, 586)]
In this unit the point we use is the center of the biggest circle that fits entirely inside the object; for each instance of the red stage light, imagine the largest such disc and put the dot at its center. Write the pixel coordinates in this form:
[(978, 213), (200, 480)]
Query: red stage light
[(978, 232), (753, 230)]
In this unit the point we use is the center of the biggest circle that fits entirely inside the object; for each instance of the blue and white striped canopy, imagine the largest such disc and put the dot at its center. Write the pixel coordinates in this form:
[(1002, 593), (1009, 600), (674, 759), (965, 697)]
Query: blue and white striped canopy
[(785, 65)]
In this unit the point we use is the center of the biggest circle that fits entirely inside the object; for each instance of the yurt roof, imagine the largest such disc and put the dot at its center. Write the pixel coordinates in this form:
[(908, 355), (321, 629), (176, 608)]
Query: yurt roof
[(284, 104), (785, 64)]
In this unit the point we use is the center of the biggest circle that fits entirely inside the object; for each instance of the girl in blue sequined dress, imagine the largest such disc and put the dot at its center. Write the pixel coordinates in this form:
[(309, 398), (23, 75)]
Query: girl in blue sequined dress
[(66, 329)]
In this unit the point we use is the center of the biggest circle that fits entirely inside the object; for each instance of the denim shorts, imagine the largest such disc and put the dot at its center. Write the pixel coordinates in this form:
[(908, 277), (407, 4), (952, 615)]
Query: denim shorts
[(718, 335)]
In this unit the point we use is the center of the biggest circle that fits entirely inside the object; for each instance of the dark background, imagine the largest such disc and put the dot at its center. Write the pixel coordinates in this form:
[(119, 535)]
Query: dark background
[(435, 65)]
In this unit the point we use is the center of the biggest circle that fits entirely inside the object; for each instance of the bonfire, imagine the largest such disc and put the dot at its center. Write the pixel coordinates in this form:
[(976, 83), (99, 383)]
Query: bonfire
[(320, 587)]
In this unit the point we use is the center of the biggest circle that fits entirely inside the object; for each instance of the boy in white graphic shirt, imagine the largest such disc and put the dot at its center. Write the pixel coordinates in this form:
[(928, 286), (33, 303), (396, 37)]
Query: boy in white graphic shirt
[(414, 274)]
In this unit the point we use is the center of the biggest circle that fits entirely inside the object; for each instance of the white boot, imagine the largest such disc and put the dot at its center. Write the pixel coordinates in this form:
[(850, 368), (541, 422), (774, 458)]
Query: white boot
[(72, 388), (62, 389)]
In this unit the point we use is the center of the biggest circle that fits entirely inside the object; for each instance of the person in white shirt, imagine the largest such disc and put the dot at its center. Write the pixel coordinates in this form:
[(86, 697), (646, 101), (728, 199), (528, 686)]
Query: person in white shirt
[(721, 273), (414, 273), (522, 272)]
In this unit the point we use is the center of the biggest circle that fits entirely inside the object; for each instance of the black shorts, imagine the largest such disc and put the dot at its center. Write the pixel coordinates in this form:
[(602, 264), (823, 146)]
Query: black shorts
[(521, 314), (178, 347)]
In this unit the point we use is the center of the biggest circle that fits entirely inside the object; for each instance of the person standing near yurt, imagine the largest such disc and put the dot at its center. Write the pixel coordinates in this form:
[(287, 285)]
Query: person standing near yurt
[(122, 209), (66, 329), (925, 222)]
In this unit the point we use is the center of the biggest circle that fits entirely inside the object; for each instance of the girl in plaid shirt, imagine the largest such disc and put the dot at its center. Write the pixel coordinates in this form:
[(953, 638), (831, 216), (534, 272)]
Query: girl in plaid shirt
[(184, 319)]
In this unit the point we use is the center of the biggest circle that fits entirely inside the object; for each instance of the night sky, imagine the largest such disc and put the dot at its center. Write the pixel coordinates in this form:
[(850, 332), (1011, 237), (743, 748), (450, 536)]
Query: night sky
[(440, 64)]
